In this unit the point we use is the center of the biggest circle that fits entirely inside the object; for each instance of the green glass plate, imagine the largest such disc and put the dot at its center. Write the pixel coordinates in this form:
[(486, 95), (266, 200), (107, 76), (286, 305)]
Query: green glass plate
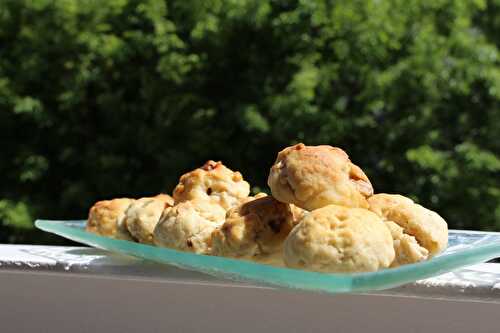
[(465, 248)]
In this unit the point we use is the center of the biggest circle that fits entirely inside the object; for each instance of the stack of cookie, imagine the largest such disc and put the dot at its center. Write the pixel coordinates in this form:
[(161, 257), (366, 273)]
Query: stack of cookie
[(348, 228), (322, 216)]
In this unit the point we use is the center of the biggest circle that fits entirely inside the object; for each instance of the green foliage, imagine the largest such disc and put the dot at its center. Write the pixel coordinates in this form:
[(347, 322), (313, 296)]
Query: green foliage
[(102, 99), (15, 214)]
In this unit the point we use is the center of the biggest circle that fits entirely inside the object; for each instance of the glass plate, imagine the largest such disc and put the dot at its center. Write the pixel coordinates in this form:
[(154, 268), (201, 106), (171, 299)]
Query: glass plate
[(465, 248)]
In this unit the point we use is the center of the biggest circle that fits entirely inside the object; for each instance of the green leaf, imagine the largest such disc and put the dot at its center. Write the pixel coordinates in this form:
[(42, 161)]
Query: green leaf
[(15, 214)]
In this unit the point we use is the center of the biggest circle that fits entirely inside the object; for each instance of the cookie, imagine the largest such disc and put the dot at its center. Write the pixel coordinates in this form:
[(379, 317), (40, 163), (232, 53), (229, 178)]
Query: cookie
[(188, 226), (214, 182), (312, 177), (339, 239), (106, 218), (165, 198), (143, 214), (254, 230), (428, 228)]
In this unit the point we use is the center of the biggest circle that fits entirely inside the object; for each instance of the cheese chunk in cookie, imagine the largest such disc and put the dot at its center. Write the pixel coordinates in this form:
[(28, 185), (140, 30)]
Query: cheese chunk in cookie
[(106, 218), (298, 214), (406, 247), (429, 229), (188, 226), (252, 197), (312, 177), (254, 230), (143, 214), (214, 182), (339, 239)]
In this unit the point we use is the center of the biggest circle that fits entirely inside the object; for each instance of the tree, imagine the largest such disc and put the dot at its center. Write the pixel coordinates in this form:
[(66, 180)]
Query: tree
[(118, 98)]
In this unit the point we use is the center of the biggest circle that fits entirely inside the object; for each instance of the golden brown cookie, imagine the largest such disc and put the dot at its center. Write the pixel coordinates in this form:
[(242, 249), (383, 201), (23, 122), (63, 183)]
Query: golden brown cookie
[(143, 214), (312, 177), (339, 239), (254, 230), (106, 218), (429, 229), (188, 226), (214, 182), (165, 198)]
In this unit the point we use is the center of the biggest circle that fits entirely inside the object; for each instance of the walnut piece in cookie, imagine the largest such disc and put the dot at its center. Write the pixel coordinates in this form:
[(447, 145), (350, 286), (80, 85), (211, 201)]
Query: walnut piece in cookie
[(214, 182), (188, 226), (106, 218), (255, 230), (428, 228), (143, 214), (312, 177), (339, 239)]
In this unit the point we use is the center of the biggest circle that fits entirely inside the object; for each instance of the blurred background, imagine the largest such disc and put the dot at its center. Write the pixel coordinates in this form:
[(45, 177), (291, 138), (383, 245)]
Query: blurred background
[(103, 99)]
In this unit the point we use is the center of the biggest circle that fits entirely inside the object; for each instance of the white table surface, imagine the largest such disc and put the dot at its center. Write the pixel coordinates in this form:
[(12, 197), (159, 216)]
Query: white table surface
[(78, 289)]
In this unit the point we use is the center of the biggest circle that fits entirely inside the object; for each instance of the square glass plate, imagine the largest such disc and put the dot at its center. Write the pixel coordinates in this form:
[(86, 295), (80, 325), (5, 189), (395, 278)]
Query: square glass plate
[(465, 248)]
